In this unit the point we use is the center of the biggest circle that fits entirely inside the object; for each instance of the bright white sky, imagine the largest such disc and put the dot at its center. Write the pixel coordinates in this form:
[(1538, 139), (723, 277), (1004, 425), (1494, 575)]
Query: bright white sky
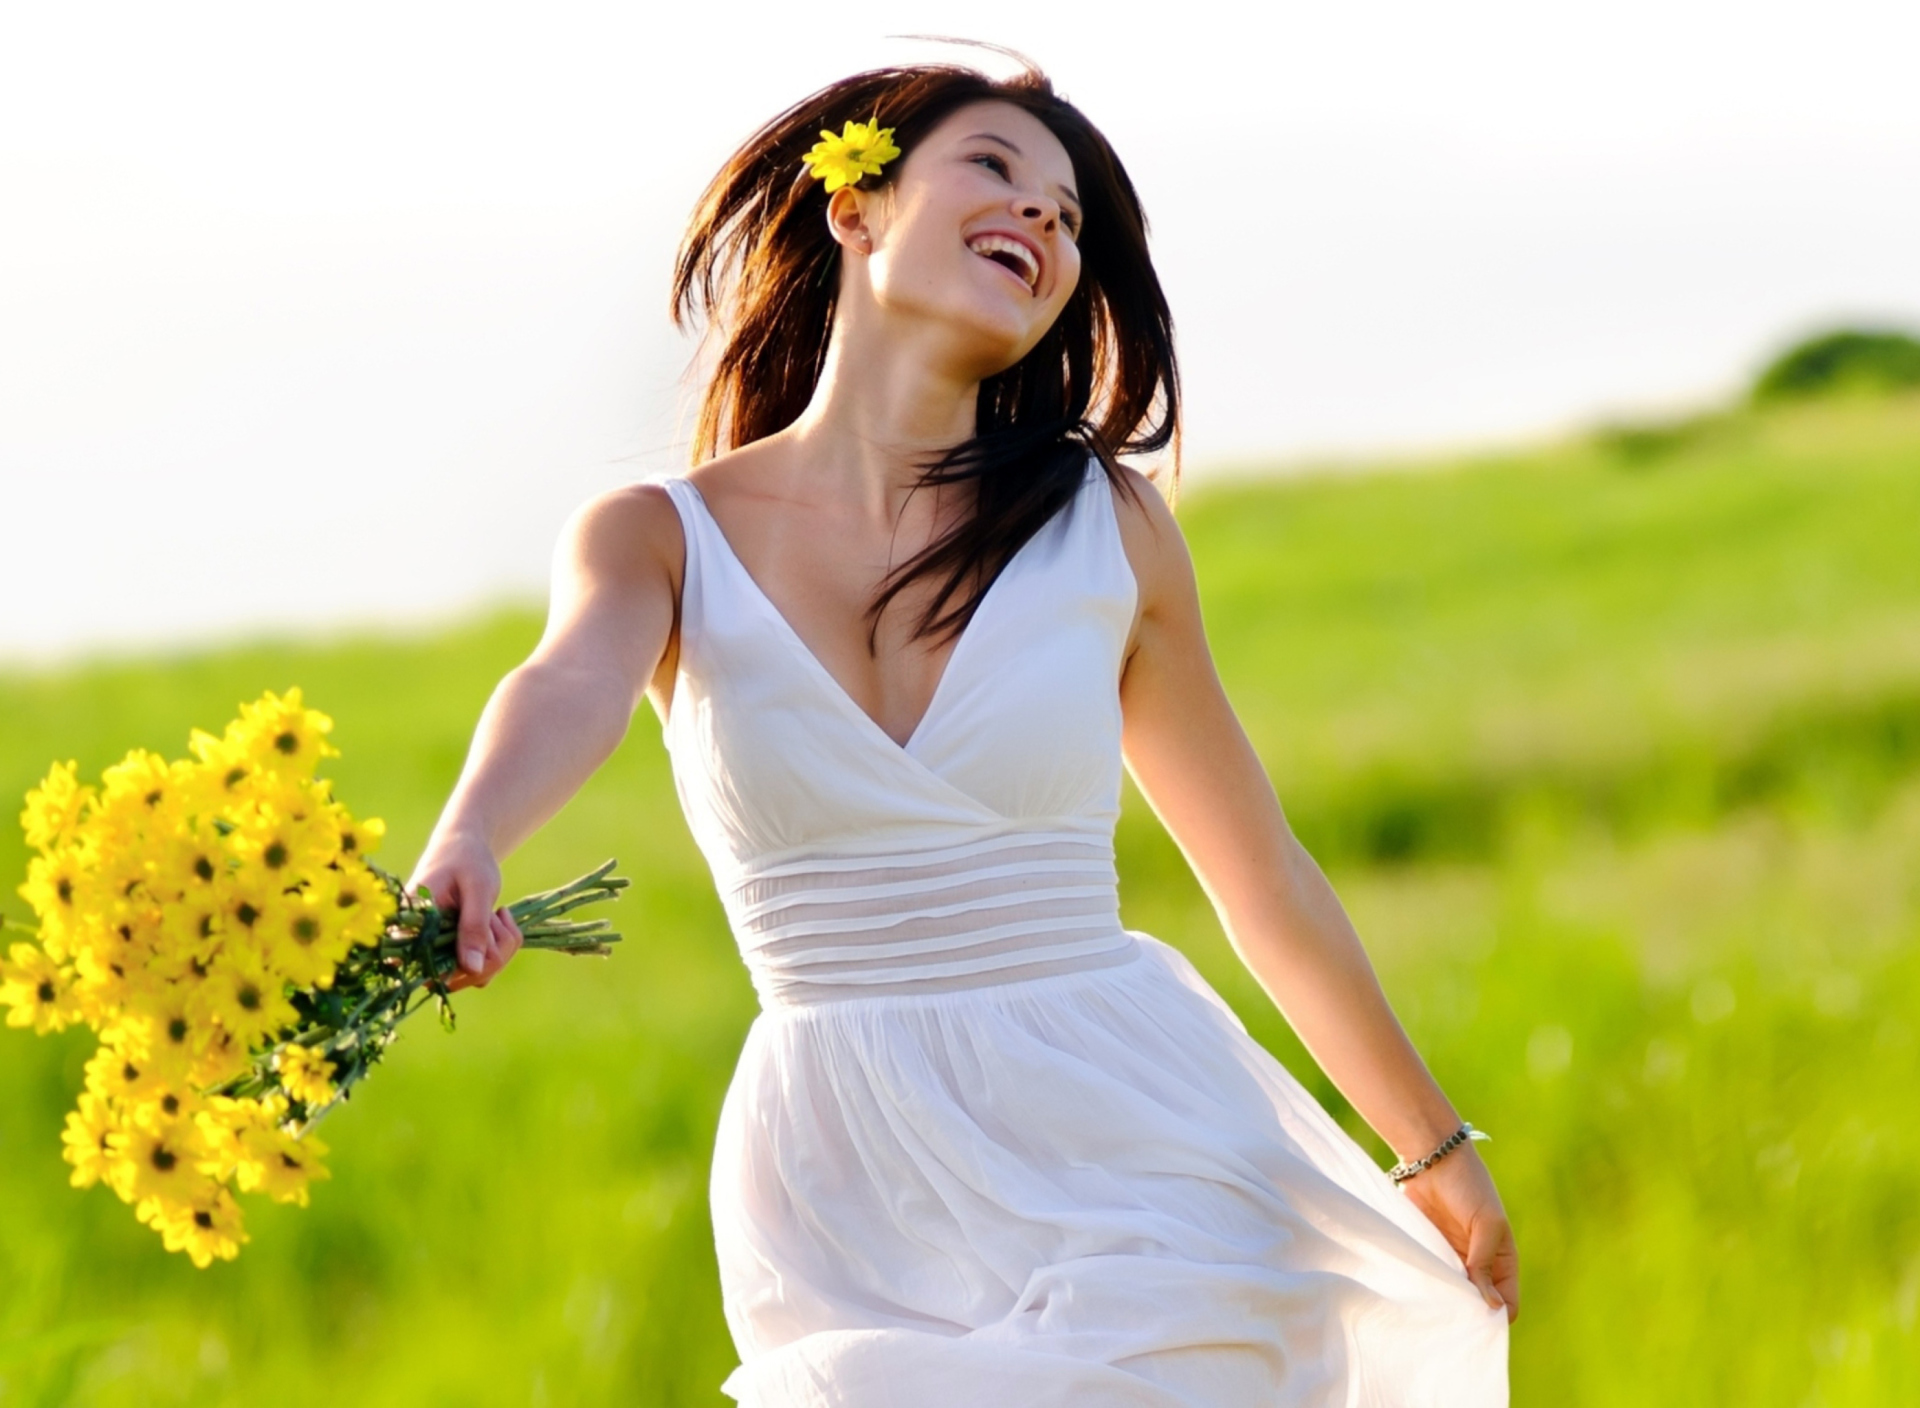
[(326, 315)]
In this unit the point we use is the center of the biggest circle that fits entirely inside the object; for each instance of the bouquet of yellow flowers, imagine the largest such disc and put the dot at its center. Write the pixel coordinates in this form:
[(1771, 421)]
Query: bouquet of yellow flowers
[(216, 921)]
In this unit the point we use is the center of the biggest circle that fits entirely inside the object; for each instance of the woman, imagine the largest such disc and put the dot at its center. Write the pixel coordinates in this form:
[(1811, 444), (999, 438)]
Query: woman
[(984, 1146)]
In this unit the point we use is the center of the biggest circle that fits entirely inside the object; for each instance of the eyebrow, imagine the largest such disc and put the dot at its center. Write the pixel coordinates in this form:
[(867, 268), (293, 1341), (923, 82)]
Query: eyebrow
[(1067, 191)]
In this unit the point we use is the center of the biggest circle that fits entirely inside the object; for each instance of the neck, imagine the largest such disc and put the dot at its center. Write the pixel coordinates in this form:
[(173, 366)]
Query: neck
[(887, 402)]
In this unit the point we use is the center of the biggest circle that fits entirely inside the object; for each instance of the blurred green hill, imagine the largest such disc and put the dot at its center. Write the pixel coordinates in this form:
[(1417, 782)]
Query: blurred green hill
[(1615, 759), (1844, 362)]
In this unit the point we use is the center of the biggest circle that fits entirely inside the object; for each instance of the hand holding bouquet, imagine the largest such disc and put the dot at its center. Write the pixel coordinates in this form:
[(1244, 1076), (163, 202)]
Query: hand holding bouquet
[(216, 921)]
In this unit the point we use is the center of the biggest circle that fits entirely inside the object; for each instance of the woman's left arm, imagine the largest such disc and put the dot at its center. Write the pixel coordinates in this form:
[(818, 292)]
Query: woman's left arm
[(1197, 769)]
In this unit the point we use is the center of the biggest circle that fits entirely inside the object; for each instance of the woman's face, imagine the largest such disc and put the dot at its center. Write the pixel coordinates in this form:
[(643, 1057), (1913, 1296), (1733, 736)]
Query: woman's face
[(974, 239)]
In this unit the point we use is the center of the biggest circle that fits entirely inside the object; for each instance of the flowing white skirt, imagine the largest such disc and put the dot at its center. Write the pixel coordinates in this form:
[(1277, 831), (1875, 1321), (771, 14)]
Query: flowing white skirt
[(1088, 1189)]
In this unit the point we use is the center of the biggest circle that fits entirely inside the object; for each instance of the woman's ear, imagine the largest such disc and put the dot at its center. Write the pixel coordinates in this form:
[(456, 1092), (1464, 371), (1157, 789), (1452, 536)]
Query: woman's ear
[(847, 220)]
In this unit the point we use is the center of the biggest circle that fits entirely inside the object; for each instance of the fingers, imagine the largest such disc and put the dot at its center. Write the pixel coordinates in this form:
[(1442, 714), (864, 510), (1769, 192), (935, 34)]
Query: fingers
[(506, 943), (506, 934), (1492, 1265), (476, 944), (503, 942), (1509, 1287), (486, 938)]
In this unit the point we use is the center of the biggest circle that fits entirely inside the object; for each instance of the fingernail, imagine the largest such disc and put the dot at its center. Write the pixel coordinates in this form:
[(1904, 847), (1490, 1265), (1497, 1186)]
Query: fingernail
[(472, 959)]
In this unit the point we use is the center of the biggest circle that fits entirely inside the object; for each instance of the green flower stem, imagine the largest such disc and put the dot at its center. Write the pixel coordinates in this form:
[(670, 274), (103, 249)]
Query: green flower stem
[(378, 986), (536, 916)]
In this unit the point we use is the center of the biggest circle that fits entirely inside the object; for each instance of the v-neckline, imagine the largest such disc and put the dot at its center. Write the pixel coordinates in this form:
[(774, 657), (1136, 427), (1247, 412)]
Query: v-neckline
[(806, 652)]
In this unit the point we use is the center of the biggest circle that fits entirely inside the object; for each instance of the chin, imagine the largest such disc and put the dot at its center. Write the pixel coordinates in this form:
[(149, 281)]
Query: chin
[(987, 331), (994, 340)]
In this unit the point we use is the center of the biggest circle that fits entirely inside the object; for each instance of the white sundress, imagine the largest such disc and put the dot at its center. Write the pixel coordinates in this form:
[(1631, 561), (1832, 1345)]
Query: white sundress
[(984, 1147)]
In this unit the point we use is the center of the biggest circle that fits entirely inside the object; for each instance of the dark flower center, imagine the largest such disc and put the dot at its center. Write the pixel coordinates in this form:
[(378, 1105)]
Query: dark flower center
[(249, 997), (202, 1220), (164, 1158), (170, 1103), (233, 776), (247, 914), (177, 1029), (65, 890), (288, 742), (203, 868), (46, 990), (306, 929), (276, 856)]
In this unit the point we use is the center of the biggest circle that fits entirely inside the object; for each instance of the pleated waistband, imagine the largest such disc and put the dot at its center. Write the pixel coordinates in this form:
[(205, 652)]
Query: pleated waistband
[(997, 910)]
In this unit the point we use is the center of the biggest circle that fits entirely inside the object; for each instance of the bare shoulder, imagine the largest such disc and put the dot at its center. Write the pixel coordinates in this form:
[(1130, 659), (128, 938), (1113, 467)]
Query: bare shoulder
[(625, 535), (1155, 547)]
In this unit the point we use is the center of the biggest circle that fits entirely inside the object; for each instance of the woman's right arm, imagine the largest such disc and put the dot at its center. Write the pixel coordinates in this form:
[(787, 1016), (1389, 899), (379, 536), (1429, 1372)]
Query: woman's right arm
[(554, 719)]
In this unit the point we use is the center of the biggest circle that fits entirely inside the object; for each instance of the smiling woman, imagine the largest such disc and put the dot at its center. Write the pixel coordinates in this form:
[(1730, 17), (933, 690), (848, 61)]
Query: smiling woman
[(903, 625), (1084, 363)]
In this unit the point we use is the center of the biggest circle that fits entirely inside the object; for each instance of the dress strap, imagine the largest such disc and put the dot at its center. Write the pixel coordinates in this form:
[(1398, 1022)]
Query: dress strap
[(1100, 553)]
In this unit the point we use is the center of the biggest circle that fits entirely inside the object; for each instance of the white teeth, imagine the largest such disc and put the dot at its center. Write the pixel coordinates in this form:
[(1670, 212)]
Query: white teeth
[(984, 245)]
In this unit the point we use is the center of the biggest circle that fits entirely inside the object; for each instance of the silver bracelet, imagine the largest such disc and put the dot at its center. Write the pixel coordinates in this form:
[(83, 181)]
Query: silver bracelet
[(1401, 1172)]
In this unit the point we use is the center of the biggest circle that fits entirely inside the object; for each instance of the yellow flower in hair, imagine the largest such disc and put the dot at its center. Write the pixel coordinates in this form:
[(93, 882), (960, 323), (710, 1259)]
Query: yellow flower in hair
[(861, 149)]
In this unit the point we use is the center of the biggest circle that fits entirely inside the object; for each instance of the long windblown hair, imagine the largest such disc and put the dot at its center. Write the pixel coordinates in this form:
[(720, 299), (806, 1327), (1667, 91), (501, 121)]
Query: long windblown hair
[(760, 269)]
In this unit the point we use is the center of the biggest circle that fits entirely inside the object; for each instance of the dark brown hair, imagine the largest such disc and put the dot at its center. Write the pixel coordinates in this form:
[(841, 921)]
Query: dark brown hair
[(759, 265)]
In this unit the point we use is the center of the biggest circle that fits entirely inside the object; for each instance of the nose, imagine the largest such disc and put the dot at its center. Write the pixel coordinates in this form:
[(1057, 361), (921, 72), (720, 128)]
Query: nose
[(1040, 210)]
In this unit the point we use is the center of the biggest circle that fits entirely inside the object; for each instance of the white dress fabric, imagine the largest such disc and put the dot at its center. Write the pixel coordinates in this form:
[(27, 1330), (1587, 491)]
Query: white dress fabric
[(985, 1148)]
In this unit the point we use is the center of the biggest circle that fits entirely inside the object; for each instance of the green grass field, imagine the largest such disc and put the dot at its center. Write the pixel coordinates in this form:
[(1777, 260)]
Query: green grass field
[(1614, 758)]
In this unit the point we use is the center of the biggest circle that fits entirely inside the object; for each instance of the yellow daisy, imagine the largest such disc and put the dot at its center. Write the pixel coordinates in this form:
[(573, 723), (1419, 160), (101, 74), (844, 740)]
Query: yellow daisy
[(88, 1139), (114, 1076), (166, 1037), (280, 735), (306, 1075), (38, 990), (249, 1002), (58, 889), (357, 905), (303, 938), (279, 1165), (208, 1226), (860, 150), (156, 1165), (54, 807)]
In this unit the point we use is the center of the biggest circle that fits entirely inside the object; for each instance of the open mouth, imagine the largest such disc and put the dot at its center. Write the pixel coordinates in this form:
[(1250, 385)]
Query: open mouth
[(1011, 255)]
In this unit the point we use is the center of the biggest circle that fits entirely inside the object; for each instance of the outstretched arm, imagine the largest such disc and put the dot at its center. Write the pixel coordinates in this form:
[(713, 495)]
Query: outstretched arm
[(554, 719), (1196, 767)]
